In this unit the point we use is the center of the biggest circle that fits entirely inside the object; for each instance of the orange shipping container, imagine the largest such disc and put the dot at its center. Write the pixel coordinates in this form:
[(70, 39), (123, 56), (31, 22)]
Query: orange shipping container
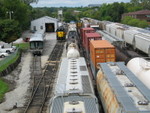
[(102, 51)]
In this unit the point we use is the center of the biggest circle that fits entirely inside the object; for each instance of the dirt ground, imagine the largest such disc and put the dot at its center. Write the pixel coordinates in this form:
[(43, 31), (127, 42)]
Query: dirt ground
[(19, 79)]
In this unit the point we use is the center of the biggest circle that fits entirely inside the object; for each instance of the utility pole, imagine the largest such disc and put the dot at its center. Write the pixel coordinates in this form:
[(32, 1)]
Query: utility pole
[(10, 14)]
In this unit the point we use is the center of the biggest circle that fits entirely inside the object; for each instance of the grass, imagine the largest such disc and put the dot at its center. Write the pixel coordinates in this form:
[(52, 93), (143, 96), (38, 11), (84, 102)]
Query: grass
[(4, 66), (23, 46), (4, 87)]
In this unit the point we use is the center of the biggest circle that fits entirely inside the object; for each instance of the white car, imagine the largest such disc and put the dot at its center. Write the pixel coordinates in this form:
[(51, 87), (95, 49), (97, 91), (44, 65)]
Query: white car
[(2, 54), (6, 50)]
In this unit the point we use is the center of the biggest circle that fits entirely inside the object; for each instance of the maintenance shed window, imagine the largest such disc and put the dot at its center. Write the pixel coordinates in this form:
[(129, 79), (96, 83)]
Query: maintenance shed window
[(41, 27)]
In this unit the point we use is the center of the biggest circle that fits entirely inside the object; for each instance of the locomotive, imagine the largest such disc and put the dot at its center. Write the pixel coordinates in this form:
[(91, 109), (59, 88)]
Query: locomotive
[(61, 33)]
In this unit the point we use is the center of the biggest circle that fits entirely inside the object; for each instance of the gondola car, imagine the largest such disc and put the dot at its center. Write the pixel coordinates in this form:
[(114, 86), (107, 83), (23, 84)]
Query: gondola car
[(36, 44), (61, 33)]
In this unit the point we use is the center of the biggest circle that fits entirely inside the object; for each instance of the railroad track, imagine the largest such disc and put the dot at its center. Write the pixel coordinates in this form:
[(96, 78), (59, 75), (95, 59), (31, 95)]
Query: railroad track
[(43, 81)]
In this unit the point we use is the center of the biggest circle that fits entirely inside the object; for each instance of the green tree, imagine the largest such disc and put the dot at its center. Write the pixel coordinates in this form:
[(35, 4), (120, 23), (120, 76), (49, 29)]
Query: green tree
[(134, 22), (21, 12), (9, 30), (144, 3), (69, 16)]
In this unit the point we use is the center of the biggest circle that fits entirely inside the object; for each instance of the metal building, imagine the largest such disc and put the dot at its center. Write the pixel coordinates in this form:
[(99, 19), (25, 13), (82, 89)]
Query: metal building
[(46, 23)]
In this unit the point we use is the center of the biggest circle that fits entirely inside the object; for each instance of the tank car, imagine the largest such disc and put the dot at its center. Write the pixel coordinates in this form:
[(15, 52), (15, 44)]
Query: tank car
[(120, 90), (73, 51), (74, 90), (37, 43), (61, 33), (141, 68)]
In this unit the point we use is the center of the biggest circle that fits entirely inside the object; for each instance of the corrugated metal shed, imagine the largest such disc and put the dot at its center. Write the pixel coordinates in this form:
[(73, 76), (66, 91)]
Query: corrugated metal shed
[(45, 23)]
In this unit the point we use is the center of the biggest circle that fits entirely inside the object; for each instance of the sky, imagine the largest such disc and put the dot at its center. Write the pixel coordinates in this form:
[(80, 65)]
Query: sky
[(72, 3)]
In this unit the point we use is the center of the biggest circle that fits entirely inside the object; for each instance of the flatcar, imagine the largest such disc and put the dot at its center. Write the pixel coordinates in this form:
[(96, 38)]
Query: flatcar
[(61, 33), (74, 90), (37, 44), (120, 90)]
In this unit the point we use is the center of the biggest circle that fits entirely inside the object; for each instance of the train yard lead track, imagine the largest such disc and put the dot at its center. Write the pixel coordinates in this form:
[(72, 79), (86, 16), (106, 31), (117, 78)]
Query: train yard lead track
[(43, 81)]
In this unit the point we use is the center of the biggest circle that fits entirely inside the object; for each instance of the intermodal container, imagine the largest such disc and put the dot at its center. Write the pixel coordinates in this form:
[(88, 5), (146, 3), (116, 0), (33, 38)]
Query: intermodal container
[(86, 30), (101, 51), (91, 36), (88, 38)]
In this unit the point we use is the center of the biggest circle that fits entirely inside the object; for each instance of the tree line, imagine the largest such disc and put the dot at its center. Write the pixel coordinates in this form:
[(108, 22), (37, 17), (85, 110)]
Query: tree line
[(16, 15)]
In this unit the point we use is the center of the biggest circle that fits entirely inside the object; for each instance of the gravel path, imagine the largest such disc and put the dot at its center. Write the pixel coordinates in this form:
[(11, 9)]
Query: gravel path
[(20, 78)]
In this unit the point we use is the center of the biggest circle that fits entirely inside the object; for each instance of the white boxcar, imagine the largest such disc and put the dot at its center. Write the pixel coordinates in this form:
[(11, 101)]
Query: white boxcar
[(74, 90), (120, 90)]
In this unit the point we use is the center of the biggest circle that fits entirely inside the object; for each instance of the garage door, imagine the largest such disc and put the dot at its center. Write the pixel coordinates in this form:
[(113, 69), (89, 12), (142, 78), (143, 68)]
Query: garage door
[(50, 27)]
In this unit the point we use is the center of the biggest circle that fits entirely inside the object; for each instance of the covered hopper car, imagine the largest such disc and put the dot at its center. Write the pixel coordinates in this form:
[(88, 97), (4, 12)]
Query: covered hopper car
[(74, 90), (120, 90)]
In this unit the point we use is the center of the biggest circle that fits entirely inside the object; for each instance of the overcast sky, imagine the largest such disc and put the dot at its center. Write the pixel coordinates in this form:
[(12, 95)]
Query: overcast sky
[(72, 3)]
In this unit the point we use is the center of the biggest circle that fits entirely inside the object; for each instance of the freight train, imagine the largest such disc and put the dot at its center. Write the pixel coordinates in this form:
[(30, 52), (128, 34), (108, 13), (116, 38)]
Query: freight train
[(74, 92), (95, 49), (119, 90), (37, 42), (132, 36)]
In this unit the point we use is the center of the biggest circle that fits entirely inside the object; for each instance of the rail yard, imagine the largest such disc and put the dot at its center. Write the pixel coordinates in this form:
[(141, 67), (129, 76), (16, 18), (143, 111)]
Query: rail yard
[(83, 70)]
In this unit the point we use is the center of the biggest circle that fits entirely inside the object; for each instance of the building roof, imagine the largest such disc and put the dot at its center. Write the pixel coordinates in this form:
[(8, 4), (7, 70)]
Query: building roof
[(139, 12), (47, 17)]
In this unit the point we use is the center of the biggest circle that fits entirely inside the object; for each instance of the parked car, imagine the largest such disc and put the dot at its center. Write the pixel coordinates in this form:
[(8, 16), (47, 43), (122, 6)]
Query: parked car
[(3, 54), (6, 50)]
